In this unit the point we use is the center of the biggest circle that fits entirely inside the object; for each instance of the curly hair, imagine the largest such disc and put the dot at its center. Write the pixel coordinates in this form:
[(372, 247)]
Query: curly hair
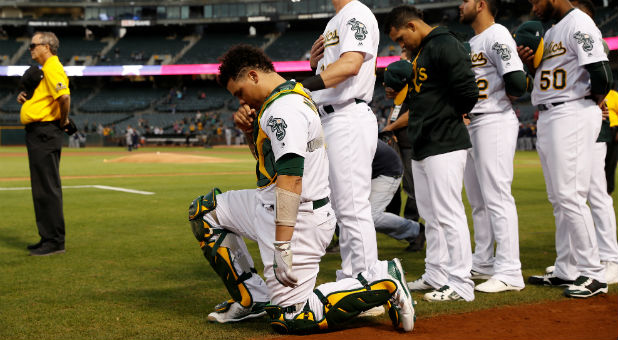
[(399, 17), (238, 59)]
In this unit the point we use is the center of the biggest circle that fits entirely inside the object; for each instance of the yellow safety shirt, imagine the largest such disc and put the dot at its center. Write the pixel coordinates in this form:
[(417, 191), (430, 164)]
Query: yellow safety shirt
[(43, 107)]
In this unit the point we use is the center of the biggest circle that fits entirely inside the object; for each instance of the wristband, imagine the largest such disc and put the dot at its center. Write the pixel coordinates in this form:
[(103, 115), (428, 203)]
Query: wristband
[(314, 83), (286, 207)]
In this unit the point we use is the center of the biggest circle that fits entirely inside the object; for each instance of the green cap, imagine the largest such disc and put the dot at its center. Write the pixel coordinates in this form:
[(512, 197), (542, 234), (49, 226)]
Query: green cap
[(398, 74), (530, 34)]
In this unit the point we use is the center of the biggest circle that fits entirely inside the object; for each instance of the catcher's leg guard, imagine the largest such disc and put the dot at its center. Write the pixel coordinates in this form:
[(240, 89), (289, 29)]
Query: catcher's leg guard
[(218, 248), (337, 307)]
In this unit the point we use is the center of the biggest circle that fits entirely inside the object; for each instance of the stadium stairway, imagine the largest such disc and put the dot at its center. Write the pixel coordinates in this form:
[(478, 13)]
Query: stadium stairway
[(192, 39)]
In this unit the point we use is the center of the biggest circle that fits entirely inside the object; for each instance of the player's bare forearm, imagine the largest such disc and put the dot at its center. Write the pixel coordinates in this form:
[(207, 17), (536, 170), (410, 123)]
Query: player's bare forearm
[(348, 65), (250, 143), (292, 184), (400, 122), (64, 102)]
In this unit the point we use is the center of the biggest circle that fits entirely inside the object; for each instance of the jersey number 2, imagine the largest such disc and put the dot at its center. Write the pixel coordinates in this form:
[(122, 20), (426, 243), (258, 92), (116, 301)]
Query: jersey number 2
[(557, 79), (483, 84)]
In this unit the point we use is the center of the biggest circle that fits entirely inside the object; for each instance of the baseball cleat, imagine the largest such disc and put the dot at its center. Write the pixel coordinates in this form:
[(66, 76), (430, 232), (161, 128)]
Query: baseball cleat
[(375, 311), (474, 275), (400, 305), (548, 279), (585, 287), (419, 284), (550, 269), (233, 312), (445, 293), (611, 272), (495, 286)]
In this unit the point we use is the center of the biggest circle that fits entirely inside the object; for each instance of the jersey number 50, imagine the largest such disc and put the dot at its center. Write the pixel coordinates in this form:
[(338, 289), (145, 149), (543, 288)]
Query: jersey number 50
[(556, 79)]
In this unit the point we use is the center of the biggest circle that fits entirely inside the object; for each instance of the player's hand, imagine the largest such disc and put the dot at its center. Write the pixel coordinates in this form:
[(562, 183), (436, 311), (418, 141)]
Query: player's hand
[(526, 54), (604, 109), (21, 97), (282, 265), (390, 93), (466, 119), (243, 118), (317, 52)]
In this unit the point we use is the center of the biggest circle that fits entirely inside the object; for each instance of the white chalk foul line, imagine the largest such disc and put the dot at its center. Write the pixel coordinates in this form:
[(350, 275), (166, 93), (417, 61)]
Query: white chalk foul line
[(102, 187), (105, 187)]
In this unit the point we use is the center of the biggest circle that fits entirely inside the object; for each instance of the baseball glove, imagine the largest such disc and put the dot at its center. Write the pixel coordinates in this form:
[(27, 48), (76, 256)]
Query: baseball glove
[(387, 137), (70, 128)]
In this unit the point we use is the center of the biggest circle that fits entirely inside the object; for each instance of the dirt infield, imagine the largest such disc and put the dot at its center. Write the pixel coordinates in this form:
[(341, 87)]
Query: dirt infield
[(168, 157), (594, 318)]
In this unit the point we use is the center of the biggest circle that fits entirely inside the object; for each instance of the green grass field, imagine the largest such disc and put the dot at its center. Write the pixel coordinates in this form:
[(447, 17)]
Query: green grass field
[(134, 270)]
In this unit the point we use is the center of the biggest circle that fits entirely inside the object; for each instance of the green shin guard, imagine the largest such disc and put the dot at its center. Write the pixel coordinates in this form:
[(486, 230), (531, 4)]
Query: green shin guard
[(219, 257), (303, 323), (203, 204), (338, 307)]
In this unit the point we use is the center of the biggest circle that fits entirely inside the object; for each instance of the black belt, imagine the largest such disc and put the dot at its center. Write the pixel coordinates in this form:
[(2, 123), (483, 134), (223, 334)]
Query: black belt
[(330, 109), (472, 115), (317, 204), (544, 107)]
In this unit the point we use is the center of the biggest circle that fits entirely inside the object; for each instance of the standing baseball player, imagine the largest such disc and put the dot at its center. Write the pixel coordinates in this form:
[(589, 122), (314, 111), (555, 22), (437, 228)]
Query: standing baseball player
[(442, 89), (493, 132), (601, 203), (569, 83), (344, 57), (288, 215)]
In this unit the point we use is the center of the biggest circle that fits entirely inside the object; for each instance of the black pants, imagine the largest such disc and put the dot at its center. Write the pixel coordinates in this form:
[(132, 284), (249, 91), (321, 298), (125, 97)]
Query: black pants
[(44, 142), (410, 211), (611, 158)]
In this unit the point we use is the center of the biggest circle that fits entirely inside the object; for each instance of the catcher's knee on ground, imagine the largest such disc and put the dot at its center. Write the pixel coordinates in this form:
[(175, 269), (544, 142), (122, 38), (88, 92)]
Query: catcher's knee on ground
[(331, 310), (218, 246)]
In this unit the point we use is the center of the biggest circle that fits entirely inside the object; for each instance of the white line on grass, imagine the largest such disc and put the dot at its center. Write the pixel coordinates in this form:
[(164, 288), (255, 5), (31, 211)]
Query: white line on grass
[(102, 187)]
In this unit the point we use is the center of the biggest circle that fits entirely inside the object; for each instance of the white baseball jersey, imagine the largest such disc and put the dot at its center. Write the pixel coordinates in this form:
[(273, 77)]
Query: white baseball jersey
[(573, 42), (290, 124), (494, 54), (354, 28)]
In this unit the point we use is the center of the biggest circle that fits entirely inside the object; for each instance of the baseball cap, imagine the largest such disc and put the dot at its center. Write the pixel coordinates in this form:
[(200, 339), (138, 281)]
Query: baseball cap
[(30, 80), (530, 34), (397, 76)]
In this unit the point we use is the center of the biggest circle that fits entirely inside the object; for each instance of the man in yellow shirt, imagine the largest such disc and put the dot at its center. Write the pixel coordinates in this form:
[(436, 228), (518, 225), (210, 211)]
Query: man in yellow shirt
[(45, 114), (611, 158)]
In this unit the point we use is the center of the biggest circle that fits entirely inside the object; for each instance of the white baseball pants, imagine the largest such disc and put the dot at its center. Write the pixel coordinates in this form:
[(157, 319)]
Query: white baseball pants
[(242, 213), (438, 182), (602, 207), (565, 141), (488, 178), (351, 135)]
